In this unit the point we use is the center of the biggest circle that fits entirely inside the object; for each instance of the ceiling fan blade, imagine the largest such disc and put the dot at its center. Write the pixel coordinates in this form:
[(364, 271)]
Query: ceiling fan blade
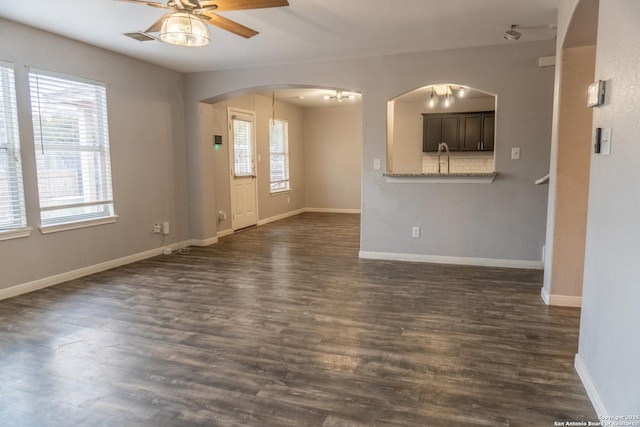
[(223, 5), (228, 24), (157, 26), (148, 3)]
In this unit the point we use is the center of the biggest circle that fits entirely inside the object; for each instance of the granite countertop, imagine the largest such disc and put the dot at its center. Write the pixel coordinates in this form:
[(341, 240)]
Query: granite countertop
[(441, 178), (441, 175)]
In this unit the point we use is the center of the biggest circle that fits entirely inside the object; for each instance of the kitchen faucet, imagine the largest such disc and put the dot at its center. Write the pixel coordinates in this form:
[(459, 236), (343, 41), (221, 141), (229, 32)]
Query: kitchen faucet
[(443, 146)]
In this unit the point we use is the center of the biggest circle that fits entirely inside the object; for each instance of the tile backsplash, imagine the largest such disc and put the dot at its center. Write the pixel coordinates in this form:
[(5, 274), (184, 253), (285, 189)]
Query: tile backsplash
[(459, 163)]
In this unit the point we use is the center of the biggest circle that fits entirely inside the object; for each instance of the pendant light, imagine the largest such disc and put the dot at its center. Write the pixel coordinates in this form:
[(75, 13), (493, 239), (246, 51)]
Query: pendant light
[(448, 98), (433, 99)]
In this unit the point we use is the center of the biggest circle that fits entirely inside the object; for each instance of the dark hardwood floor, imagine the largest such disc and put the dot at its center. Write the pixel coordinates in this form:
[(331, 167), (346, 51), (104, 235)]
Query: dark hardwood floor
[(283, 325)]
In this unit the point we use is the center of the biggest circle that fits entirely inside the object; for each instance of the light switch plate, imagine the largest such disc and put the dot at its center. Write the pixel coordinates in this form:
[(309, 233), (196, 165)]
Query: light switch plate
[(515, 153), (605, 142)]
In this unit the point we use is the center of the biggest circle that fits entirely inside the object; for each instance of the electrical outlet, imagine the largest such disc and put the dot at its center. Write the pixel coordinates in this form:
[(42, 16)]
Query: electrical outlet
[(415, 231), (157, 229), (165, 228), (376, 164)]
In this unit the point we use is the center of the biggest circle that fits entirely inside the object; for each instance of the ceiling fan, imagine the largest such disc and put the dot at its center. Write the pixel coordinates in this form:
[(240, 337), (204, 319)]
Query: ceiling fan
[(514, 34), (186, 24)]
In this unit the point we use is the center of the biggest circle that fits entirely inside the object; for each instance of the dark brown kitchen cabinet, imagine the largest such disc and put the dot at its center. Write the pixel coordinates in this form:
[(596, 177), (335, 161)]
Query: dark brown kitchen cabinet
[(488, 131), (476, 131), (439, 128), (471, 131)]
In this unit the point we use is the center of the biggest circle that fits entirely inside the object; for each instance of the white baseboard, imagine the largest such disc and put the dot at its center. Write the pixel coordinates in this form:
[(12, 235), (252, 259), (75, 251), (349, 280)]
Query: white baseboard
[(81, 272), (438, 259), (204, 242), (223, 233), (275, 218), (281, 216), (544, 293), (590, 387), (560, 300), (331, 210)]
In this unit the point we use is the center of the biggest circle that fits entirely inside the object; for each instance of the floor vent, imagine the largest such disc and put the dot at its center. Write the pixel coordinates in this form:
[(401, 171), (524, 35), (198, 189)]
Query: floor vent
[(140, 36)]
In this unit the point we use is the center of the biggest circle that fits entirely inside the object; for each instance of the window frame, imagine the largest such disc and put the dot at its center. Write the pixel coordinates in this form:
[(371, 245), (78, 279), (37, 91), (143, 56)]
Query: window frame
[(285, 156), (86, 149), (16, 224)]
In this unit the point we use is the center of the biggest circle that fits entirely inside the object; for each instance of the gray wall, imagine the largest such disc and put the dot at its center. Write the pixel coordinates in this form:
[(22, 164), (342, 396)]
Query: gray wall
[(609, 344), (148, 157), (333, 151), (503, 221)]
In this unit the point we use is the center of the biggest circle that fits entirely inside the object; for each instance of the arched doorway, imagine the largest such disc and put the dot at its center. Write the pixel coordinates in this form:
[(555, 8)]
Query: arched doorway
[(323, 153)]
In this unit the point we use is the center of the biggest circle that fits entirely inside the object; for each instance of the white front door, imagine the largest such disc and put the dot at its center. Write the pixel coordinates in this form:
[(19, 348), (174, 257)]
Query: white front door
[(243, 169)]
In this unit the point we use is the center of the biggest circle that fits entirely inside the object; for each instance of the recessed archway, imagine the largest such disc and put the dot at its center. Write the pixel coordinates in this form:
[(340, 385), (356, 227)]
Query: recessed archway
[(325, 149)]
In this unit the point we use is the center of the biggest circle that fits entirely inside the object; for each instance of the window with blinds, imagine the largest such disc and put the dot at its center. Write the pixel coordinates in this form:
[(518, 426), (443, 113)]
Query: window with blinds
[(242, 146), (12, 210), (72, 148), (279, 155)]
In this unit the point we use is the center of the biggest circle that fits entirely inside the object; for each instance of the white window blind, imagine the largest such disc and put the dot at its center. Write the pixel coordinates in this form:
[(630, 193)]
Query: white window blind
[(279, 155), (242, 146), (72, 148), (12, 211)]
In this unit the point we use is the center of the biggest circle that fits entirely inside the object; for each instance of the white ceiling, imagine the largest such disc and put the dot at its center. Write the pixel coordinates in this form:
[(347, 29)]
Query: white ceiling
[(307, 30)]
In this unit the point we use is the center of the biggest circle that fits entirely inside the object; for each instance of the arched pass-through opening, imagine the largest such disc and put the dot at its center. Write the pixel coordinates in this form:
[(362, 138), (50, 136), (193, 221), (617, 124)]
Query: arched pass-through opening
[(419, 121)]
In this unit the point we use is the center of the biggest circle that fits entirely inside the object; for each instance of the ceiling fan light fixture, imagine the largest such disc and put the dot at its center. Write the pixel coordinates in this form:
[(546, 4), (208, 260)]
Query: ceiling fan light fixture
[(185, 29)]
